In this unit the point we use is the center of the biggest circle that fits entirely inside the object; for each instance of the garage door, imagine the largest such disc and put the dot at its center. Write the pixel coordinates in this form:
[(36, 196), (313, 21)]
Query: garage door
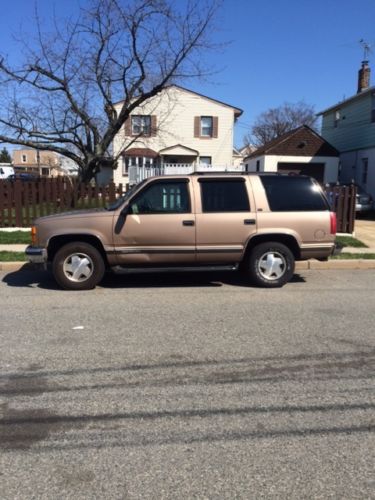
[(315, 170)]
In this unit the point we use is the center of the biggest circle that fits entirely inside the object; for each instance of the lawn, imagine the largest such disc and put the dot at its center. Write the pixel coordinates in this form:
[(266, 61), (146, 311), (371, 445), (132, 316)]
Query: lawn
[(348, 241), (12, 256), (15, 237)]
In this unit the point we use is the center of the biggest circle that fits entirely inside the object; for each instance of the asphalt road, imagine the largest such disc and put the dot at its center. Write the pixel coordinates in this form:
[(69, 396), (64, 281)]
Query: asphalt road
[(188, 387)]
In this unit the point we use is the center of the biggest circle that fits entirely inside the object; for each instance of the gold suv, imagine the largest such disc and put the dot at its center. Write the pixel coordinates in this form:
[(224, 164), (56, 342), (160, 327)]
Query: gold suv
[(258, 223)]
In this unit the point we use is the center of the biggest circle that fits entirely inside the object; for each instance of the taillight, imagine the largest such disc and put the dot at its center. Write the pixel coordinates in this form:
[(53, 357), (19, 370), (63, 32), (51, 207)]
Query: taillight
[(333, 222), (33, 235)]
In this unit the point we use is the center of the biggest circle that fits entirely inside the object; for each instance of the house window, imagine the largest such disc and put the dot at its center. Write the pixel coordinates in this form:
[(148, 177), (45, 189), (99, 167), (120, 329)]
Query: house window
[(141, 125), (24, 158), (205, 160), (206, 126), (337, 117), (258, 165), (364, 170)]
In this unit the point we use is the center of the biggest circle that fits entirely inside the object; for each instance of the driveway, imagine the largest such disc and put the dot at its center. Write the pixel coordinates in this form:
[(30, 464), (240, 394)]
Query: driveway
[(365, 231)]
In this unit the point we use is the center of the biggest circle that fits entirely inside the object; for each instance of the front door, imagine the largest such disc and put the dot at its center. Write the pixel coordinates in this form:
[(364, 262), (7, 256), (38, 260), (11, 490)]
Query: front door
[(159, 226)]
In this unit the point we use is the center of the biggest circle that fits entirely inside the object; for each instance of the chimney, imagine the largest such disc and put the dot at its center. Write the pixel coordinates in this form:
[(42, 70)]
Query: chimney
[(363, 77)]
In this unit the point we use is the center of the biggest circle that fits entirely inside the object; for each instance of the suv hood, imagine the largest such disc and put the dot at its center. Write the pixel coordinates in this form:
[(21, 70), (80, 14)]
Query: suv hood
[(92, 212)]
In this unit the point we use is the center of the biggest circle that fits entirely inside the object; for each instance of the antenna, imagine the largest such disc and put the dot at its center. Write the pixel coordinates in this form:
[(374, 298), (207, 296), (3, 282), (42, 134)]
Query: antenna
[(367, 48)]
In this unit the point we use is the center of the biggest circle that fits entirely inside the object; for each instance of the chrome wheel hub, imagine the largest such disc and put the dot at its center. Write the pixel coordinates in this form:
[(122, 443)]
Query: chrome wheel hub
[(78, 267), (272, 266)]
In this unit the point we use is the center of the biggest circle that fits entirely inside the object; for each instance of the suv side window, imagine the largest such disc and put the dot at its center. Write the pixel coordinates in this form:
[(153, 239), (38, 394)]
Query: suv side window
[(293, 194), (163, 197), (227, 195)]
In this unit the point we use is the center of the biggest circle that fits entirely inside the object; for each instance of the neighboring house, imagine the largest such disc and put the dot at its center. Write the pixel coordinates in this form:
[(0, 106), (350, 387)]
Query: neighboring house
[(177, 131), (350, 126), (300, 151), (42, 163)]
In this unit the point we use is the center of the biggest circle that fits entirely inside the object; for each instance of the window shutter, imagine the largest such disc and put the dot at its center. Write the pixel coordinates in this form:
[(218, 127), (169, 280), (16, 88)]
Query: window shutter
[(128, 127), (153, 126), (215, 126), (197, 126)]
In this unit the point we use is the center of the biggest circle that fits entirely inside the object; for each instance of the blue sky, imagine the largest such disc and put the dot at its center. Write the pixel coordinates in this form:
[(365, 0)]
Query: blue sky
[(280, 50)]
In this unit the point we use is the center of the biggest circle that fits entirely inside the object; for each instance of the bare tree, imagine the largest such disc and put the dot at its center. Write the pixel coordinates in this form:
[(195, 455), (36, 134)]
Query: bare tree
[(62, 98), (277, 121)]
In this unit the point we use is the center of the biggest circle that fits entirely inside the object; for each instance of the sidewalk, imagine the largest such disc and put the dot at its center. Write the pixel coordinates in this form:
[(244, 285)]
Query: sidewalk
[(364, 230)]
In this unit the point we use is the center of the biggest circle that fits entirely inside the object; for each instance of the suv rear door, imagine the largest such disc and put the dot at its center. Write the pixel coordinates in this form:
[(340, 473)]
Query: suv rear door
[(159, 226), (225, 218)]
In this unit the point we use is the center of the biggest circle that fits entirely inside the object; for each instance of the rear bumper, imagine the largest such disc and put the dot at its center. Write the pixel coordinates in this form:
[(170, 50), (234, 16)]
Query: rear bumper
[(36, 255), (317, 251)]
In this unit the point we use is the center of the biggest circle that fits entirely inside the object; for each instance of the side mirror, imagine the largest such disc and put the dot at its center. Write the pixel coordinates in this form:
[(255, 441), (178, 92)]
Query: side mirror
[(125, 211)]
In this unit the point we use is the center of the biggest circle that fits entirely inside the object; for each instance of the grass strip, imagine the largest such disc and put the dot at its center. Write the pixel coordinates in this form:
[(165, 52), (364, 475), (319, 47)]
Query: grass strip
[(15, 237), (12, 256), (349, 241), (358, 256)]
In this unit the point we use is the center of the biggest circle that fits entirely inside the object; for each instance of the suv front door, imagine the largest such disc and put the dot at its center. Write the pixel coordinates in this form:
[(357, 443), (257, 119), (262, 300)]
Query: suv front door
[(160, 225)]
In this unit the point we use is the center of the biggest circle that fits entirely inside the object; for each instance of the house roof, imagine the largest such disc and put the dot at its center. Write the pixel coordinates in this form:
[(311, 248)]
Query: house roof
[(237, 111), (346, 101), (145, 152), (178, 149), (302, 141)]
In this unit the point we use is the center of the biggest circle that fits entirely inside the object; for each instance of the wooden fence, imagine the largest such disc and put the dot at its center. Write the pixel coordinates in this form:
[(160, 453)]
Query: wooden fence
[(342, 200), (21, 202)]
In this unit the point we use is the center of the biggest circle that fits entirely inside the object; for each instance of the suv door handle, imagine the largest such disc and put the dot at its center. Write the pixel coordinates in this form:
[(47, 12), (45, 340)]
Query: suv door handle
[(249, 222), (188, 223)]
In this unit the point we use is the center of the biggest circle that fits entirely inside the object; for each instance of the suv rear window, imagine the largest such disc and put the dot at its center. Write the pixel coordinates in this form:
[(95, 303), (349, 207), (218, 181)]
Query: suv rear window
[(227, 195), (293, 194)]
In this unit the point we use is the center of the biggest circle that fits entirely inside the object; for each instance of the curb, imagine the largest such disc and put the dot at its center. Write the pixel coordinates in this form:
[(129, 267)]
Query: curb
[(350, 264), (336, 264)]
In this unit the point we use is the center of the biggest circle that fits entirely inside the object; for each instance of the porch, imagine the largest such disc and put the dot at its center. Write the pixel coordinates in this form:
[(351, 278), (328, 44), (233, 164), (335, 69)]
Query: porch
[(139, 173)]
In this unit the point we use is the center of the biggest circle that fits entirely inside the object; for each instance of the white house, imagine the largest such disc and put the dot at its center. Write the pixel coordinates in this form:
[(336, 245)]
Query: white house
[(177, 131), (300, 151)]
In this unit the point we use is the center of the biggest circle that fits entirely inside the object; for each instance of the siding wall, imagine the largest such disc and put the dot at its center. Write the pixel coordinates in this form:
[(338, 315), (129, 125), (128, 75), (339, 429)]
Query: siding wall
[(175, 110), (354, 129), (352, 167)]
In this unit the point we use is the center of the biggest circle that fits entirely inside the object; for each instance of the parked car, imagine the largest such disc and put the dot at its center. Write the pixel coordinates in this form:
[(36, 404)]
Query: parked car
[(6, 171), (24, 176), (364, 202), (259, 223)]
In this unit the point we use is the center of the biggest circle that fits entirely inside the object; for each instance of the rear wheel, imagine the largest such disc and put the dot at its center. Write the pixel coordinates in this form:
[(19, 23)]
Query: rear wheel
[(78, 266), (270, 265)]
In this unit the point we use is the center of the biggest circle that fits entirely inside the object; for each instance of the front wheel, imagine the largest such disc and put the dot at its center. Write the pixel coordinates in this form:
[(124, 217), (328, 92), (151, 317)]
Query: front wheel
[(78, 266), (270, 265)]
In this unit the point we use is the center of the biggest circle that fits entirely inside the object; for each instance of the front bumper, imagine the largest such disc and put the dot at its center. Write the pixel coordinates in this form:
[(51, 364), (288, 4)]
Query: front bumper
[(36, 255)]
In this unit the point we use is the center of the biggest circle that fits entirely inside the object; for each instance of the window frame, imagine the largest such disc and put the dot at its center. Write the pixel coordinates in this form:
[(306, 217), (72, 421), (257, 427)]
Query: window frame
[(142, 125), (206, 164), (364, 170), (211, 118)]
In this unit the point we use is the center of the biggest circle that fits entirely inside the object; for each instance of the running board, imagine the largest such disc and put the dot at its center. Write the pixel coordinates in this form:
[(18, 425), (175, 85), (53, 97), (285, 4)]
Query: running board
[(136, 270)]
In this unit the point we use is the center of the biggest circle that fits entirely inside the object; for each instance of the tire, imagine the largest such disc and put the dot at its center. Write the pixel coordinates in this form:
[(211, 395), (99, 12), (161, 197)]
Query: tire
[(78, 266), (270, 265)]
